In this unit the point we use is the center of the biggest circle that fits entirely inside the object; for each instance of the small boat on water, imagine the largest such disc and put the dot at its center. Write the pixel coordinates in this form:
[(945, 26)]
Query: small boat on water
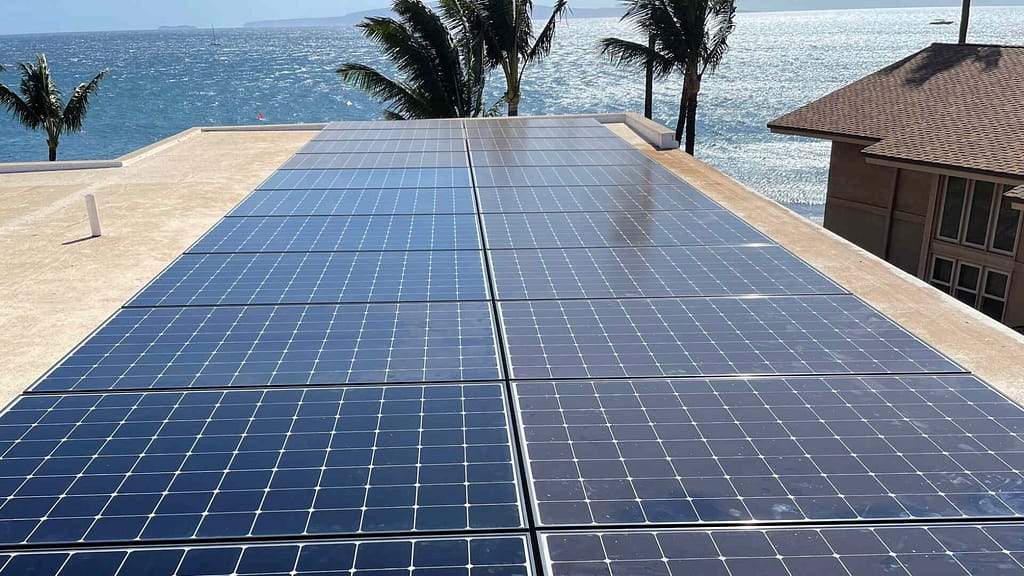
[(940, 22), (214, 42)]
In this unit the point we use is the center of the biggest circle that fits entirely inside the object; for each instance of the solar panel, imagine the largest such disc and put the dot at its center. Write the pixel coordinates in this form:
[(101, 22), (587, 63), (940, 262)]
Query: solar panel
[(611, 142), (925, 550), (708, 337), (468, 556), (392, 133), (141, 348), (371, 178), (357, 202), (317, 278), (595, 198), (770, 449), (378, 125), (501, 130), (610, 229), (382, 146), (559, 158), (571, 175), (530, 122), (257, 463), (654, 273), (341, 233), (402, 160)]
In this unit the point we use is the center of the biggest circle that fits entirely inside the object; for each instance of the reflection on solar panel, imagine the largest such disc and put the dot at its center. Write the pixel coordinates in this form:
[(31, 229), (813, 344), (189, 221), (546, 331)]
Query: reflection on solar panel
[(923, 550), (317, 278), (653, 272), (283, 345), (317, 389), (258, 463), (341, 233), (356, 202), (469, 556)]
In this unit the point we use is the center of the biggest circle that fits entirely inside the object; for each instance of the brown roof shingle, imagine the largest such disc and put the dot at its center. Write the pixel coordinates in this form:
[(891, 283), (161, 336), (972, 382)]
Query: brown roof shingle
[(949, 105)]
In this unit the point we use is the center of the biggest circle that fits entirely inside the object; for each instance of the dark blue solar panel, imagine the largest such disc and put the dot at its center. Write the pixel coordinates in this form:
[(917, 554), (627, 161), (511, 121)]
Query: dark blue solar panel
[(653, 273), (740, 450), (256, 463), (530, 122), (623, 198), (341, 233), (382, 146), (357, 202), (317, 278), (371, 178), (466, 556), (502, 130), (283, 345), (559, 158), (709, 337), (397, 160), (648, 173), (611, 142), (913, 550), (608, 229)]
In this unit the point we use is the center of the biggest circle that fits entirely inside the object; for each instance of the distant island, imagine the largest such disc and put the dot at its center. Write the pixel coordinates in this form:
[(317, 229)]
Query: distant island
[(354, 18), (181, 27)]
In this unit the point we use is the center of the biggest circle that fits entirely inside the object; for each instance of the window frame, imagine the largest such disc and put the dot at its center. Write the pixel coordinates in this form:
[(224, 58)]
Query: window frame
[(942, 209), (965, 211), (984, 291), (983, 278), (1003, 189), (932, 280)]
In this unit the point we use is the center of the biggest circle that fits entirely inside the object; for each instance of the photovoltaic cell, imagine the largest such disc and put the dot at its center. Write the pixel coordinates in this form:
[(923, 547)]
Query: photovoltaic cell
[(654, 272), (775, 449), (370, 178), (377, 125), (357, 202), (341, 233), (382, 146), (708, 337), (141, 348), (651, 173), (559, 158), (530, 122), (395, 133), (611, 142), (922, 550), (317, 278), (623, 198), (497, 130), (464, 556), (256, 463), (611, 229), (400, 160)]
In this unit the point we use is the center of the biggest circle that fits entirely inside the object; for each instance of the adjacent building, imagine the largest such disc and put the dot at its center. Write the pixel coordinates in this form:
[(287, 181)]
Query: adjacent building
[(927, 158)]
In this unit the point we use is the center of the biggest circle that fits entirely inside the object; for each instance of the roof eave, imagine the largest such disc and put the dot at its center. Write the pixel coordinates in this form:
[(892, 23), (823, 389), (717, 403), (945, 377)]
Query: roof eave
[(822, 135), (943, 169)]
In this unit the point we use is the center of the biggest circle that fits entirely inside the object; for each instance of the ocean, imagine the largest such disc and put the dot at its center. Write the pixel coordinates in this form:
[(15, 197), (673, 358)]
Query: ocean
[(162, 82)]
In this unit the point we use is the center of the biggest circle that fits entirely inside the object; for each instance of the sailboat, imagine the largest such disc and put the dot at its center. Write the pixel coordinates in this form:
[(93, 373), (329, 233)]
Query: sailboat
[(214, 42)]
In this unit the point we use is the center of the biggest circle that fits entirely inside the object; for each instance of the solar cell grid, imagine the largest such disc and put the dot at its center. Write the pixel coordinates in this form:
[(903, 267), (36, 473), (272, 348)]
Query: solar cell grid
[(377, 125), (360, 160), (341, 233), (652, 173), (611, 229), (257, 463), (653, 272), (142, 348), (612, 142), (317, 278), (529, 122), (708, 337), (370, 178), (499, 130), (357, 202), (560, 158), (625, 198), (472, 556), (793, 449), (392, 133), (924, 550), (382, 146)]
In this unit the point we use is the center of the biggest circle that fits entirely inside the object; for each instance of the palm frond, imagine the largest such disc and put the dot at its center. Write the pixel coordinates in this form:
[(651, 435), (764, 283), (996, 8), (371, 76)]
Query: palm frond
[(542, 47), (78, 104), (402, 101), (720, 24), (20, 109), (633, 54), (41, 94)]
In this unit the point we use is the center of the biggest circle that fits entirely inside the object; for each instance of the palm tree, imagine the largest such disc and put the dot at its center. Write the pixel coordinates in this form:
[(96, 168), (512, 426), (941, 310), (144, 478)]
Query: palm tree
[(506, 28), (965, 20), (634, 11), (691, 38), (441, 76), (41, 104)]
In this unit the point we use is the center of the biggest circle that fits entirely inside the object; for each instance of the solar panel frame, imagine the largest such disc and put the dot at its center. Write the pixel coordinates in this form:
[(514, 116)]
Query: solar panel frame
[(611, 198), (341, 234), (276, 346), (356, 202), (506, 555), (258, 463), (948, 549), (317, 278), (345, 179)]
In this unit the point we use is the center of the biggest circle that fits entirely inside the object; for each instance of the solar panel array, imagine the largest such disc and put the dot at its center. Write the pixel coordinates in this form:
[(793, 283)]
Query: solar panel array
[(502, 347)]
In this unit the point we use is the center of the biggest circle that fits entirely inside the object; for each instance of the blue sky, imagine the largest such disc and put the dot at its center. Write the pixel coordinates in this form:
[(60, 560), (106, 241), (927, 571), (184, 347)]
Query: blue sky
[(18, 17)]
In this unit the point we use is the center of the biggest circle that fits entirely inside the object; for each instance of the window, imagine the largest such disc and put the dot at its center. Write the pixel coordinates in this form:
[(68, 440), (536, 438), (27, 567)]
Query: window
[(974, 213), (978, 287)]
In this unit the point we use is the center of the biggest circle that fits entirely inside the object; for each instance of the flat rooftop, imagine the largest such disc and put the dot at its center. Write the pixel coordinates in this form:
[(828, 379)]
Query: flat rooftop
[(528, 346)]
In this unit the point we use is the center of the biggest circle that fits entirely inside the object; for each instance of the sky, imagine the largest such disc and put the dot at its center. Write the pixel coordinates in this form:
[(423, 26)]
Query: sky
[(20, 17)]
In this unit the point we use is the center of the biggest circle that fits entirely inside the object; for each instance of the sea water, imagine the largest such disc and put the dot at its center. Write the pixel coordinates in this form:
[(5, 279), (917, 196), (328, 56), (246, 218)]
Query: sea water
[(162, 82)]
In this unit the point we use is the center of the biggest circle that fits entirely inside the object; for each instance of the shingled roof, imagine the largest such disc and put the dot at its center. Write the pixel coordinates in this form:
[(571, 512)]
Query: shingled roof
[(948, 106)]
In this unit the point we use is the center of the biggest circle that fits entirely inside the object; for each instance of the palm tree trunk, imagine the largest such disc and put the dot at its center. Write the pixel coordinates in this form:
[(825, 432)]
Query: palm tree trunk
[(965, 20), (691, 122), (681, 122), (52, 145), (649, 82)]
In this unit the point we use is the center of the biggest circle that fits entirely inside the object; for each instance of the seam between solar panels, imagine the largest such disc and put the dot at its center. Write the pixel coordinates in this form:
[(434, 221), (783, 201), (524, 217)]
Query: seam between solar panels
[(526, 491), (783, 524)]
